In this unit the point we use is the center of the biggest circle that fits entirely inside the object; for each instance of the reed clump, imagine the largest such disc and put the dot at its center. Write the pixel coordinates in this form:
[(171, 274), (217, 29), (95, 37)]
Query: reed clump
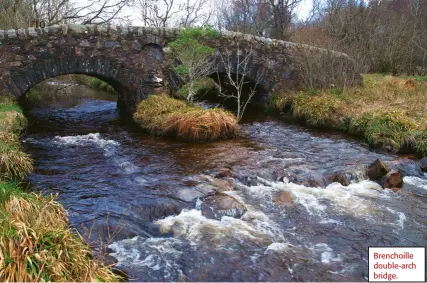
[(37, 245), (163, 115)]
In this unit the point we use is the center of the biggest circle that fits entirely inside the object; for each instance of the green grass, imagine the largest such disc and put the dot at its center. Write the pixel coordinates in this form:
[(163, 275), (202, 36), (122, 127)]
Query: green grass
[(163, 115), (389, 112)]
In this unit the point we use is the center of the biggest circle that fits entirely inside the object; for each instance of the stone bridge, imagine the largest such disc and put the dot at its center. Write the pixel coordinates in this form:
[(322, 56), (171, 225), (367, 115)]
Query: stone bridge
[(132, 60)]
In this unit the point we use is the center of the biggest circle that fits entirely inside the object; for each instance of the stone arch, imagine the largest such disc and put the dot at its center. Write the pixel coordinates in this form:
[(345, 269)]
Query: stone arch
[(130, 86)]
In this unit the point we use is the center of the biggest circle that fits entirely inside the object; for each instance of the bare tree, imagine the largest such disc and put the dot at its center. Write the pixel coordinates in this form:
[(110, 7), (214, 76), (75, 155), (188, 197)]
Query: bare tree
[(70, 11), (194, 12), (157, 13), (166, 13), (271, 18), (15, 14), (282, 13), (246, 16), (237, 67)]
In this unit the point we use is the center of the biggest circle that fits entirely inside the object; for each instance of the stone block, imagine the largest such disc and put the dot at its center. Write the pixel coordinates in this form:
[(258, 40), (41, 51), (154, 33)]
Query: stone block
[(12, 33), (32, 32), (64, 29), (77, 29), (102, 29), (22, 33)]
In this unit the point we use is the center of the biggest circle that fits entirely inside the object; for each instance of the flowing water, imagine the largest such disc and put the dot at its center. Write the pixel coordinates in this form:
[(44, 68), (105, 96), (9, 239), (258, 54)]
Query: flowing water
[(147, 196)]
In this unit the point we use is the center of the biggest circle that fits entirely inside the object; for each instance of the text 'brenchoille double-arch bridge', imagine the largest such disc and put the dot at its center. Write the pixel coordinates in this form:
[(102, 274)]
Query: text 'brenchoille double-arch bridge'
[(133, 61)]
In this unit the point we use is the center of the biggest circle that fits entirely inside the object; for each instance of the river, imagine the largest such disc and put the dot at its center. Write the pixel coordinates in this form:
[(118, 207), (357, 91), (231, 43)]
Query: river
[(139, 195)]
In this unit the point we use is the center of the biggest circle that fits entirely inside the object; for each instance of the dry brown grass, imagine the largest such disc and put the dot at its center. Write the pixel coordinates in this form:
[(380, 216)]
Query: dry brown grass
[(167, 116), (14, 163), (37, 245), (388, 111)]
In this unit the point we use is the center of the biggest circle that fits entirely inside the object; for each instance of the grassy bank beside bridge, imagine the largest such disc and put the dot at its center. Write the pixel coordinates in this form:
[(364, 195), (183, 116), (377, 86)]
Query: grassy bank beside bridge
[(36, 242), (389, 112)]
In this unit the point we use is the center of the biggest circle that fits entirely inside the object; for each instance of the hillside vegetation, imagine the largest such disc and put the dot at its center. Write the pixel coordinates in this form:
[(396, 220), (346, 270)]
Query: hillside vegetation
[(388, 111)]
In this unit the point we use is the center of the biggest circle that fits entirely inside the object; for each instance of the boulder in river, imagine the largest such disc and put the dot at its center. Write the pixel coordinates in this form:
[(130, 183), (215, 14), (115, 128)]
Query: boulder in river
[(193, 193), (284, 198), (224, 173), (289, 177), (393, 180), (315, 180), (220, 185), (423, 164), (338, 177), (406, 166), (220, 205), (377, 170)]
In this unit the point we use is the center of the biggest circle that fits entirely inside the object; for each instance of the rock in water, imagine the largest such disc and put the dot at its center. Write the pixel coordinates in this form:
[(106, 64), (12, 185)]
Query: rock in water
[(191, 194), (221, 205), (221, 185), (377, 170), (393, 180), (284, 198), (338, 177), (224, 173), (423, 164)]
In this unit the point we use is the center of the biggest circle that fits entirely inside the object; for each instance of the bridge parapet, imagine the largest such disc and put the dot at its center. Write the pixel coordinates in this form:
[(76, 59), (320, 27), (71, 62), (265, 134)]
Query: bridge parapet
[(132, 59)]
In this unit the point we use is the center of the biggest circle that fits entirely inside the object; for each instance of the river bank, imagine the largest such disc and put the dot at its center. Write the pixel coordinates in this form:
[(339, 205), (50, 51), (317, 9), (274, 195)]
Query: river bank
[(388, 112), (36, 242), (273, 215)]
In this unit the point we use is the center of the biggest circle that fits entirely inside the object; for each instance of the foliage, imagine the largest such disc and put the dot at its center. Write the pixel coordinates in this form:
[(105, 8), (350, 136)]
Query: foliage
[(15, 14), (387, 111), (322, 110), (201, 87), (37, 245), (14, 163), (192, 55), (162, 115), (390, 128), (381, 36)]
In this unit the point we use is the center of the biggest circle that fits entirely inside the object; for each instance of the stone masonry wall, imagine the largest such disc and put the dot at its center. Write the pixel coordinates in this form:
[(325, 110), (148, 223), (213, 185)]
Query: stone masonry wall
[(132, 59)]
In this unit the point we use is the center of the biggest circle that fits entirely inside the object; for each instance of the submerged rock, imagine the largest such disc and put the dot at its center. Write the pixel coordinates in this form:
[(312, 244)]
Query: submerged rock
[(224, 173), (289, 178), (338, 177), (219, 185), (221, 205), (407, 167), (200, 191), (377, 170), (284, 198), (393, 180), (315, 180), (423, 164)]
